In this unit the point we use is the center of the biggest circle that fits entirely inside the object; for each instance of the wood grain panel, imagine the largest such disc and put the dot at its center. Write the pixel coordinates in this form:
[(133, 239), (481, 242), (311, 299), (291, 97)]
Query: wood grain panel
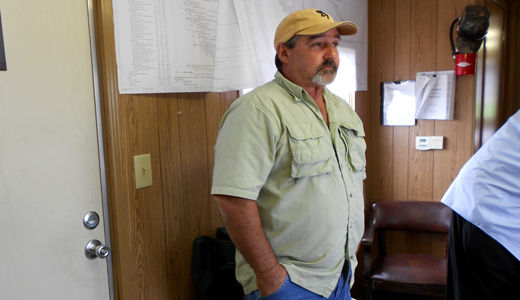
[(194, 163), (172, 191), (458, 133), (465, 109), (402, 144), (214, 112), (362, 108), (400, 141), (423, 40), (213, 105), (445, 166), (381, 40), (144, 232), (444, 160)]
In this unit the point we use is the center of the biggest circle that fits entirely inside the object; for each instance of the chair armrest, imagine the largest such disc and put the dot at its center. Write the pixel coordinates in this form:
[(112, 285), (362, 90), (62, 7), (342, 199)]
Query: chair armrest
[(367, 241), (368, 237)]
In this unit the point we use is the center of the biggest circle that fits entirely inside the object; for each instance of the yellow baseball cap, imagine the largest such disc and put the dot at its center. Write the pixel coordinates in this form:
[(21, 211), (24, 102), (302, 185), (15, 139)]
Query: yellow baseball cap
[(308, 22)]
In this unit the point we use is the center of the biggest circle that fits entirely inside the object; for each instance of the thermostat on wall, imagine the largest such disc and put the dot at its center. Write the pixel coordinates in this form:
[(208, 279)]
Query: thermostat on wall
[(429, 142)]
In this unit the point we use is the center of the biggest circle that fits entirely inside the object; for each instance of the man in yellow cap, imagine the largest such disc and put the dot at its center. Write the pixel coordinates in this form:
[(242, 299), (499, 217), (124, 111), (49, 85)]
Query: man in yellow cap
[(289, 170)]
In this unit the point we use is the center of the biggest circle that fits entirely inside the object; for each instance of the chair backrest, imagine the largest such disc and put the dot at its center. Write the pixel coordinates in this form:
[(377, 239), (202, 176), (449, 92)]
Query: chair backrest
[(411, 216)]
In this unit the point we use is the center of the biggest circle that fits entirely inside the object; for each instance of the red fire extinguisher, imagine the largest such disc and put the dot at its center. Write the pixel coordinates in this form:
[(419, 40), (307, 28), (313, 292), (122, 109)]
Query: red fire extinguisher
[(471, 31)]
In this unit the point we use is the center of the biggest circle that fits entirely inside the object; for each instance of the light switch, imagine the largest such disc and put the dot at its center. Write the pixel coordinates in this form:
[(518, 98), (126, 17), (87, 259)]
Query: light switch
[(143, 171)]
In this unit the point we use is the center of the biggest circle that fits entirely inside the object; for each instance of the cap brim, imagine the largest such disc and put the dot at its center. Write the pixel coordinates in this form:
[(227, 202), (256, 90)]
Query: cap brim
[(344, 28)]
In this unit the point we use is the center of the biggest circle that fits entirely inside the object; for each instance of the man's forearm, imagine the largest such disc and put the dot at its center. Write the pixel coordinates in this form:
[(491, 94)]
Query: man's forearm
[(242, 221)]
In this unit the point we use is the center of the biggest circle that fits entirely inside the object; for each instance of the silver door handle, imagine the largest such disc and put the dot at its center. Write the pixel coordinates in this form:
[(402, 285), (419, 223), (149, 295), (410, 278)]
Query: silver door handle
[(95, 248)]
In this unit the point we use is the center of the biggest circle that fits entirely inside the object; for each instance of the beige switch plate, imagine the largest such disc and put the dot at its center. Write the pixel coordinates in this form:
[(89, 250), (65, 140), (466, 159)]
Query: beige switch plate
[(143, 171)]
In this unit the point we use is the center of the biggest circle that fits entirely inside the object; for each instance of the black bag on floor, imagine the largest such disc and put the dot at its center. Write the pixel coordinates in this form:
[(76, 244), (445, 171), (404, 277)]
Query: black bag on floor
[(213, 269)]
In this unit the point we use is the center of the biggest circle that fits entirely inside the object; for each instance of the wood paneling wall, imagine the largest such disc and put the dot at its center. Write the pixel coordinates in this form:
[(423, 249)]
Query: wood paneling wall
[(405, 37), (152, 229), (409, 36)]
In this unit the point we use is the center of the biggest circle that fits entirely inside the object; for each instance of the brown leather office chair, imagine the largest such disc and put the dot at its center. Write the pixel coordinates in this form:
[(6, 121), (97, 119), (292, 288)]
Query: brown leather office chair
[(409, 273)]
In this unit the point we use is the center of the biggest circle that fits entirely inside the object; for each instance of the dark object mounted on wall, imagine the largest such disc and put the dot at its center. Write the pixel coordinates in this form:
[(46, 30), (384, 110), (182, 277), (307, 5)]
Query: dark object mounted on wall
[(3, 65), (471, 31)]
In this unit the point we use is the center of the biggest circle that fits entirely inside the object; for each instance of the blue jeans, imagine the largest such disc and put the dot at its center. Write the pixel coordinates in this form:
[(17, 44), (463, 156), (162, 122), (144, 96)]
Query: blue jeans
[(290, 291)]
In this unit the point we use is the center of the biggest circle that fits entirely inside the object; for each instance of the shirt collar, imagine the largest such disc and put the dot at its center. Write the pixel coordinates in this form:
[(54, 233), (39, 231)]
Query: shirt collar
[(299, 94), (295, 90)]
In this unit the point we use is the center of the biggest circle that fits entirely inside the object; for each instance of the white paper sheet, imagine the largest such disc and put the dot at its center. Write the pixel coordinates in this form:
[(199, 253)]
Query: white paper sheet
[(214, 45), (435, 95), (398, 103), (165, 46)]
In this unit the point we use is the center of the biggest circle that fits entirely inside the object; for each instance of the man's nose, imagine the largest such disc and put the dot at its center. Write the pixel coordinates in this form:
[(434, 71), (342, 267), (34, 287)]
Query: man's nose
[(331, 52)]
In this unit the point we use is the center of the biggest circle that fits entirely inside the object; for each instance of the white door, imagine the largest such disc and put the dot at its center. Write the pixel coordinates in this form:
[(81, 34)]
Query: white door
[(49, 162)]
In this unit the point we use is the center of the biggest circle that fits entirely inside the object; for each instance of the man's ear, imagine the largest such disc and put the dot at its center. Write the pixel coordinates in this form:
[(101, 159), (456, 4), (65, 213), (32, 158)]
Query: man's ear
[(282, 52)]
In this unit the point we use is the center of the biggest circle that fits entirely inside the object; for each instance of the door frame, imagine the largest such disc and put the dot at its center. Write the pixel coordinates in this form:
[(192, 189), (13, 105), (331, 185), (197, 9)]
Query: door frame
[(101, 146)]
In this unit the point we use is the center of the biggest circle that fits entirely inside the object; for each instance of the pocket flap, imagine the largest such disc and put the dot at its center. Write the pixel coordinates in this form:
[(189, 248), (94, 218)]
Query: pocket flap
[(302, 133), (356, 147), (311, 169), (308, 145)]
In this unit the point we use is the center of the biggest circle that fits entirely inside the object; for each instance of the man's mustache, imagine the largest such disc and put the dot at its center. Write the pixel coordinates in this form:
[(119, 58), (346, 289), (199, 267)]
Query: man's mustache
[(328, 63)]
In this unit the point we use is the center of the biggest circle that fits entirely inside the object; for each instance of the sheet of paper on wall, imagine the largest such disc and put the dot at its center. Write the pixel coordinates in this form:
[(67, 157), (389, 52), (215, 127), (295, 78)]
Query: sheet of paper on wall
[(398, 103), (150, 38), (207, 45), (435, 95)]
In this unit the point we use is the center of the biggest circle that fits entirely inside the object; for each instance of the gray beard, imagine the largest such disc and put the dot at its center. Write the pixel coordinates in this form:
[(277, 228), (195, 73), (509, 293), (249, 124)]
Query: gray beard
[(324, 77)]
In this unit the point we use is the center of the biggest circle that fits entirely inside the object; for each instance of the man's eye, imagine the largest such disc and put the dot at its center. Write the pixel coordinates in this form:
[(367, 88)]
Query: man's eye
[(319, 44), (335, 45)]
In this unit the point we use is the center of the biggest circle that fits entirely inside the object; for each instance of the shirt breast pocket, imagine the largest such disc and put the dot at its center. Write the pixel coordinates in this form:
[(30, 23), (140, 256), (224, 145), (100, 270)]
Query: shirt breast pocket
[(310, 149), (355, 150)]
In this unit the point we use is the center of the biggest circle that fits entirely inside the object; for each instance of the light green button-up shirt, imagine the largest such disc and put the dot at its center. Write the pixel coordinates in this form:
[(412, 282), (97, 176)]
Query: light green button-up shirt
[(274, 147)]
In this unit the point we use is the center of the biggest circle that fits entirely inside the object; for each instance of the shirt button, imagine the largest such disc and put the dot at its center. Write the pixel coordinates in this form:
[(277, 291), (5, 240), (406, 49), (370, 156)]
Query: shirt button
[(350, 195)]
